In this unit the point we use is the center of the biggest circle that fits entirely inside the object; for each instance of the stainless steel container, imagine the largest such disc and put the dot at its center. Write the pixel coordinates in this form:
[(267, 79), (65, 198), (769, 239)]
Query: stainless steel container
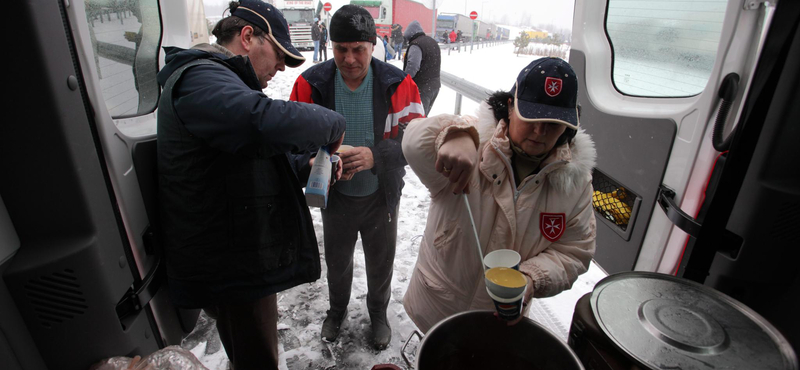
[(478, 340), (640, 320)]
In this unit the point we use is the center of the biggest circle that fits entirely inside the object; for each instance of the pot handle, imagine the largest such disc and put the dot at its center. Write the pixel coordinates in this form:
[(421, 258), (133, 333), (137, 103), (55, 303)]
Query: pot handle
[(403, 349)]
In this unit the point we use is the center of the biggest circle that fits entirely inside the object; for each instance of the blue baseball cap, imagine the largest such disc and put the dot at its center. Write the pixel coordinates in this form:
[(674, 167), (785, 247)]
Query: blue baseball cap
[(547, 90), (271, 21)]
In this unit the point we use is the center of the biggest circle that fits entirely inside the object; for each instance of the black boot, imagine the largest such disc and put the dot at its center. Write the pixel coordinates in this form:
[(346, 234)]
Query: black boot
[(381, 331), (332, 324)]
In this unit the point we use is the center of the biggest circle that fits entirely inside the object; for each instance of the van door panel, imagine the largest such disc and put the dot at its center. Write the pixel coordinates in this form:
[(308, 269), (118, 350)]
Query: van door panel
[(125, 123), (632, 155), (647, 137), (70, 186), (73, 263)]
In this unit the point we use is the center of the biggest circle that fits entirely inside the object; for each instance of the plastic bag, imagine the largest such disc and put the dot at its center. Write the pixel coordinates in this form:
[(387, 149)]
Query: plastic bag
[(169, 358)]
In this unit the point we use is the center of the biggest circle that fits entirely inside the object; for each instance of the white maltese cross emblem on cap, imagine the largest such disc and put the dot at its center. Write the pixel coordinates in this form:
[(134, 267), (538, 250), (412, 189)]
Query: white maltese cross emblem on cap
[(552, 86), (551, 225)]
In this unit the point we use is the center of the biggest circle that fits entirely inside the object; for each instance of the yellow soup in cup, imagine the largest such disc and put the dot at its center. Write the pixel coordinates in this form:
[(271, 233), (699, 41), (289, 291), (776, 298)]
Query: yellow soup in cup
[(506, 277)]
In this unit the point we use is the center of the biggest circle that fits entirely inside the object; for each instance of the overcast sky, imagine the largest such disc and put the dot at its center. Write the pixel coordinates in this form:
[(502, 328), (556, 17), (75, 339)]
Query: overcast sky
[(529, 12)]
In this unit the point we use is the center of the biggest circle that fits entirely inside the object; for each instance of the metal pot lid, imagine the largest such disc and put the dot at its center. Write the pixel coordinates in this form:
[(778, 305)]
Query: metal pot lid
[(669, 323)]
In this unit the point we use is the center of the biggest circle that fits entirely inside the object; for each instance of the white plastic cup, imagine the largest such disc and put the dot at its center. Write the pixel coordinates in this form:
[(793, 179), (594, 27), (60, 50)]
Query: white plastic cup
[(502, 258), (334, 166)]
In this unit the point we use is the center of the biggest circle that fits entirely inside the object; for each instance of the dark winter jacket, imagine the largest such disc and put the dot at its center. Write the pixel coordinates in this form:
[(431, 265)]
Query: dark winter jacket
[(423, 61), (315, 31), (323, 35), (235, 223), (397, 34), (395, 103)]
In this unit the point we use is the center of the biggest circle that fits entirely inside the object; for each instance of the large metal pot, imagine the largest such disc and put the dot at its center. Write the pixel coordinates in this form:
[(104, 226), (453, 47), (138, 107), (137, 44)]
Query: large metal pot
[(645, 320), (477, 340)]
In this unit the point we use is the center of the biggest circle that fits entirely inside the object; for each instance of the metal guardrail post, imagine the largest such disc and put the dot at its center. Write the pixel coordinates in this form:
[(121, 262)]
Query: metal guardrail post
[(462, 88)]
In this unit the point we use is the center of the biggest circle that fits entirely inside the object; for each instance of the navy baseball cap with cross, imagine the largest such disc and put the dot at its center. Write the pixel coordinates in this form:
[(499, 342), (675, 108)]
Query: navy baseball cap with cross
[(547, 90), (270, 20)]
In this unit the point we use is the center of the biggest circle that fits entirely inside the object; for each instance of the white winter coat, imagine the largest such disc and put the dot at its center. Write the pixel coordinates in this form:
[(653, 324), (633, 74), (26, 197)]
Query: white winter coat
[(448, 277)]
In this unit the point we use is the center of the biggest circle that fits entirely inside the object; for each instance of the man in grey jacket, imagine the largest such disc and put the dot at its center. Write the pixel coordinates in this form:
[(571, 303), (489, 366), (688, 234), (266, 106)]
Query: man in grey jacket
[(423, 63), (315, 38)]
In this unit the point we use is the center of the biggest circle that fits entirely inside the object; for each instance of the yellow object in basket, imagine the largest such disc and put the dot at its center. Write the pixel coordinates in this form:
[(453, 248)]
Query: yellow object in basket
[(506, 277), (612, 206)]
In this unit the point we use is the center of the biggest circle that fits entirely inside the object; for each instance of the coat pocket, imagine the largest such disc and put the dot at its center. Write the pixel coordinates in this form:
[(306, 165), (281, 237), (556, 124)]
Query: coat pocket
[(447, 234), (432, 285)]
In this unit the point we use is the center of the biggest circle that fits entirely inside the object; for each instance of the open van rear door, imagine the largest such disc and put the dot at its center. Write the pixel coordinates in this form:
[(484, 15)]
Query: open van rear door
[(650, 75), (672, 196), (84, 270)]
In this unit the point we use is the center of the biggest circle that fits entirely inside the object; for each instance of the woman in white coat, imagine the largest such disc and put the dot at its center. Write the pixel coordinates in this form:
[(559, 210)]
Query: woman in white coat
[(526, 167)]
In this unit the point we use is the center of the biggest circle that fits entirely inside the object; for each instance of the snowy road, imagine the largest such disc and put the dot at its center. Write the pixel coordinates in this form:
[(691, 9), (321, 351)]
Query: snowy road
[(302, 309)]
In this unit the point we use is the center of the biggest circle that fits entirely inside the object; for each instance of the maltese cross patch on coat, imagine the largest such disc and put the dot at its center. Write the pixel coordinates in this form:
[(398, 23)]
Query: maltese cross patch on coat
[(551, 225), (552, 86)]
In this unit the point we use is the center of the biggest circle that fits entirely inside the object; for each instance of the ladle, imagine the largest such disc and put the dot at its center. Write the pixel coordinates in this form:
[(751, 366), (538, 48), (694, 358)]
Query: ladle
[(474, 230)]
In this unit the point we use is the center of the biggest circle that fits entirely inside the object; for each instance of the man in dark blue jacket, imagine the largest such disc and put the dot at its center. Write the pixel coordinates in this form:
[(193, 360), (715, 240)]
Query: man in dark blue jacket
[(378, 100), (315, 37), (236, 226)]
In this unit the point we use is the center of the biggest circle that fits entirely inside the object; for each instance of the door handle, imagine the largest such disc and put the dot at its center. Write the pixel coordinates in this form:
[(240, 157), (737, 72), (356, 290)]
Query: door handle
[(140, 294), (727, 94), (666, 199)]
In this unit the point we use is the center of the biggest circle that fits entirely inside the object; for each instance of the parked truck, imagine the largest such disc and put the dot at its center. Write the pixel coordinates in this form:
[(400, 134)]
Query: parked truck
[(483, 30), (299, 15), (502, 33), (454, 21), (402, 12)]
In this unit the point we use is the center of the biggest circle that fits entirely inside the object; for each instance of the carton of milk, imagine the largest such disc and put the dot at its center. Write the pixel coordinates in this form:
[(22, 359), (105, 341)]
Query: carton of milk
[(319, 180)]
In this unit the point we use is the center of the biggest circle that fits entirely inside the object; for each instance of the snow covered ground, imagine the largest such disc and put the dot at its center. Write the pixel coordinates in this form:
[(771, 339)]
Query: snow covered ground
[(302, 309)]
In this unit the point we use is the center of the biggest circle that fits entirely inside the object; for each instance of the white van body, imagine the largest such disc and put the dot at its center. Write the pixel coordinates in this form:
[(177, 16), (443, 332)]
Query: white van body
[(82, 276)]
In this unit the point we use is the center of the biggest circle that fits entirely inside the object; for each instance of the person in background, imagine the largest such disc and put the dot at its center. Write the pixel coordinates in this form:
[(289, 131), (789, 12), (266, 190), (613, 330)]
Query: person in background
[(453, 36), (459, 36), (323, 41), (236, 227), (389, 49), (315, 38), (379, 49), (378, 100), (397, 40), (446, 37), (526, 169), (423, 63)]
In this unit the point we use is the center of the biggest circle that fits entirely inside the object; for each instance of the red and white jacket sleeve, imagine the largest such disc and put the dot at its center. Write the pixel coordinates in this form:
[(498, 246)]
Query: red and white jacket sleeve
[(406, 106)]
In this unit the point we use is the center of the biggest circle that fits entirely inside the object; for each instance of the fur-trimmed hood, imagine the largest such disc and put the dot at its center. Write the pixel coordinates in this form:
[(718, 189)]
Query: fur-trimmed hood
[(579, 153)]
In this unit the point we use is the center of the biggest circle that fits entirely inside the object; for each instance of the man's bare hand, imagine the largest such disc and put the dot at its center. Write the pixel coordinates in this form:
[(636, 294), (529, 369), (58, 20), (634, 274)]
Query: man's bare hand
[(357, 159)]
